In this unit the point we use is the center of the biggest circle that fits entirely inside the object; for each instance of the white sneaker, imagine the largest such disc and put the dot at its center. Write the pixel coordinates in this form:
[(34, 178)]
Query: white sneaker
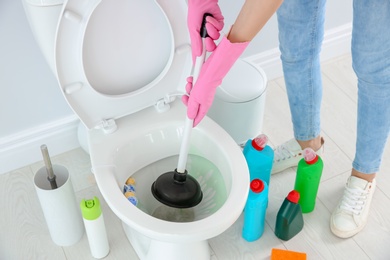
[(289, 154), (351, 214)]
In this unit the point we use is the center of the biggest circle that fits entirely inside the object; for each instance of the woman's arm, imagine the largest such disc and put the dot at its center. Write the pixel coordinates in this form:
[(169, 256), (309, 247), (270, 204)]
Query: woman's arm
[(253, 16)]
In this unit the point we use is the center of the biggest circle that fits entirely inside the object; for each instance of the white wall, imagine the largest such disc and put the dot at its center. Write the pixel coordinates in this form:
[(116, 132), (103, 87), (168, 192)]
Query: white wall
[(29, 92), (338, 13), (32, 109), (263, 51)]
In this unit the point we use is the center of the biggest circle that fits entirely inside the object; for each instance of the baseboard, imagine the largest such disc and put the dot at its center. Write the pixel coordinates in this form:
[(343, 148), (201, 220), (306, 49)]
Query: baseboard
[(336, 42), (23, 148)]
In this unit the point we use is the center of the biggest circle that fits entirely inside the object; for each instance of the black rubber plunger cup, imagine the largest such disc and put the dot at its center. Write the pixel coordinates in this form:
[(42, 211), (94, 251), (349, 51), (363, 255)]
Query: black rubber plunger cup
[(178, 189)]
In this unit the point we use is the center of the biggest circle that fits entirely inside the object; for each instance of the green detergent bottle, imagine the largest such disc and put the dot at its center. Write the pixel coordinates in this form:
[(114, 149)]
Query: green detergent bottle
[(289, 220), (308, 178)]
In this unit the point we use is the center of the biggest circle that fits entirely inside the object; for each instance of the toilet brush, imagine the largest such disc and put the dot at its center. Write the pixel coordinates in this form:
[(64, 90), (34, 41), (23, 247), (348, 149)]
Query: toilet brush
[(177, 188), (49, 169)]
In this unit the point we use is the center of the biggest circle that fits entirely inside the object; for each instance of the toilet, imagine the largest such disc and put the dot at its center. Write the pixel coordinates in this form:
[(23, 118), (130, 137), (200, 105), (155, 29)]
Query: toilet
[(122, 65)]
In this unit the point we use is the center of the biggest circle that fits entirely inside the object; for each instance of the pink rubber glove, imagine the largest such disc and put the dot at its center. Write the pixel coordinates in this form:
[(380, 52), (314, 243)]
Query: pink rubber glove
[(214, 24), (200, 96)]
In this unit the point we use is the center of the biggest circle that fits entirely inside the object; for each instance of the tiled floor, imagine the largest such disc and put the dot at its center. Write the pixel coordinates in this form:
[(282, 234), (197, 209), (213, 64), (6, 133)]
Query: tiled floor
[(24, 235)]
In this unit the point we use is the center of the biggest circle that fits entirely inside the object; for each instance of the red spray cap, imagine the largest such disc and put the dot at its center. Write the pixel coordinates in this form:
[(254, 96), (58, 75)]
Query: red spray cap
[(293, 196), (260, 142), (257, 186), (310, 156)]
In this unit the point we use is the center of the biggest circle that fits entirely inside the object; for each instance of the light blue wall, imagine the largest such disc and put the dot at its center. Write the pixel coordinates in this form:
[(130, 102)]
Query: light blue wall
[(338, 13), (29, 94)]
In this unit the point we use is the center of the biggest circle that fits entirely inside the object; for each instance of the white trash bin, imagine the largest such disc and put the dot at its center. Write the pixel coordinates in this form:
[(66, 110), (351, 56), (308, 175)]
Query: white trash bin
[(239, 102)]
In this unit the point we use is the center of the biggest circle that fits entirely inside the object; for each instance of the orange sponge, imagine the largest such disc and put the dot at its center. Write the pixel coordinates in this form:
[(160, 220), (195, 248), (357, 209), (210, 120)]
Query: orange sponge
[(279, 254)]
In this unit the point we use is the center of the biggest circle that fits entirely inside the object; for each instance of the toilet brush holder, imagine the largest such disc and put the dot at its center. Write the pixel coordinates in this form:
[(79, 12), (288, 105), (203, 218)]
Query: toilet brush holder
[(59, 206)]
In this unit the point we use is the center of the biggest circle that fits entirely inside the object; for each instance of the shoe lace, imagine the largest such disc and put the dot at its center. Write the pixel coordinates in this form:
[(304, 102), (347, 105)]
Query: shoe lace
[(282, 153), (353, 200)]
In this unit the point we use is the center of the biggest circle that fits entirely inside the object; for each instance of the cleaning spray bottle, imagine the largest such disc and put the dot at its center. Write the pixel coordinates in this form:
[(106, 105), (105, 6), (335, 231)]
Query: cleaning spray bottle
[(259, 157), (95, 228), (289, 220), (308, 178), (254, 212)]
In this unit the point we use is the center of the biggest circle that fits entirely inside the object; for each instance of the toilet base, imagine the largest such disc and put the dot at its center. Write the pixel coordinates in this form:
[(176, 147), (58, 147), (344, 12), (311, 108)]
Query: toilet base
[(149, 249)]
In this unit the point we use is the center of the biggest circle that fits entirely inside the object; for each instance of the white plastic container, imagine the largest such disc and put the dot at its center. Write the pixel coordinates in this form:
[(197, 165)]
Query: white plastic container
[(59, 206), (95, 228), (239, 102)]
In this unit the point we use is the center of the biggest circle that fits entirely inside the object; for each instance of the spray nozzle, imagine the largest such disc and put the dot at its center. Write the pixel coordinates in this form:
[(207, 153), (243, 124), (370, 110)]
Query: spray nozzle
[(310, 156), (260, 142)]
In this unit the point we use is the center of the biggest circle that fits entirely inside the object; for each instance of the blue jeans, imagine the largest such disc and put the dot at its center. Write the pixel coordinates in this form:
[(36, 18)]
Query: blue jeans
[(301, 29)]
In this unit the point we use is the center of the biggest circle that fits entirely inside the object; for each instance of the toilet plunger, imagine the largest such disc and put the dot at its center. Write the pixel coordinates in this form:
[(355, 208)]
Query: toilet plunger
[(177, 188)]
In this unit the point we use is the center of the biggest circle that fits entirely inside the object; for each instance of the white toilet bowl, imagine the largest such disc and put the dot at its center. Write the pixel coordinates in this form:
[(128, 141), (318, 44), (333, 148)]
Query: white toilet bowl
[(120, 65), (118, 156)]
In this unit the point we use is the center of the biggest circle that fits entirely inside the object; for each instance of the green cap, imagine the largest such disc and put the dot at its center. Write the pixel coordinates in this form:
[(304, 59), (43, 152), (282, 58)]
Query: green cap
[(90, 208)]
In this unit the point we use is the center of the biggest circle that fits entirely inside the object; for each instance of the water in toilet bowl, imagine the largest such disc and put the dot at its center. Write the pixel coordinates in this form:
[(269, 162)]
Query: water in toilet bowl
[(174, 214), (204, 171)]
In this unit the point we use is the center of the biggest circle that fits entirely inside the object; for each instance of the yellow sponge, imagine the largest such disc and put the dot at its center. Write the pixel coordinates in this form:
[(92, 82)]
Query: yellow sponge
[(279, 254)]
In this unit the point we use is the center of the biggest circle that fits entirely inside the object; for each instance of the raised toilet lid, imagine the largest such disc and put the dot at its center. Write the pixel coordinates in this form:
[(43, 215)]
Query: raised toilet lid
[(116, 57)]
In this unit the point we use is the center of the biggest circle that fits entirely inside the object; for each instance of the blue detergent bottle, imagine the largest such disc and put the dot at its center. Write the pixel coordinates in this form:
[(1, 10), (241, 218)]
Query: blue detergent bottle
[(254, 212), (259, 157)]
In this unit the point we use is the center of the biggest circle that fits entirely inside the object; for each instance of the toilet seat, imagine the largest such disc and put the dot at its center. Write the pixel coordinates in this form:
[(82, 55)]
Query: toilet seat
[(107, 70)]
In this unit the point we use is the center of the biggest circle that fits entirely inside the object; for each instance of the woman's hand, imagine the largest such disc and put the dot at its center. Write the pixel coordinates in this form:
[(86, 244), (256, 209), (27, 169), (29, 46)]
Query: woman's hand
[(214, 24)]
